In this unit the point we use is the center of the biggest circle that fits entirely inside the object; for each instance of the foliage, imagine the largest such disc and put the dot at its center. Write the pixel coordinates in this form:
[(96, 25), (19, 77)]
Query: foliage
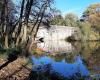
[(92, 14), (87, 31), (71, 20), (90, 25), (57, 20)]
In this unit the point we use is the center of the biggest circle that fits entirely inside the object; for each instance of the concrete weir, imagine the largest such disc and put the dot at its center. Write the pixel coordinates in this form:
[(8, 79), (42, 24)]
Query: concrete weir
[(56, 32)]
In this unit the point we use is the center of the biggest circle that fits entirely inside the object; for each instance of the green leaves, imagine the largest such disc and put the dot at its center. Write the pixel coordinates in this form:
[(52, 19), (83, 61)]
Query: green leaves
[(92, 14), (71, 20), (57, 20)]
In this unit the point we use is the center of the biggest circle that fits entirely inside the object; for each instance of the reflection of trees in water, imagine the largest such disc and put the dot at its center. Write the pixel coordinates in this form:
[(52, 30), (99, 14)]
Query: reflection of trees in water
[(68, 57), (90, 51), (94, 61), (86, 48), (46, 73)]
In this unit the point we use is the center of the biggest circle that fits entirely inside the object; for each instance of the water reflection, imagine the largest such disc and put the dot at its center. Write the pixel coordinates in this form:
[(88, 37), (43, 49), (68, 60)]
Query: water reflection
[(90, 51), (62, 67), (67, 64), (56, 46)]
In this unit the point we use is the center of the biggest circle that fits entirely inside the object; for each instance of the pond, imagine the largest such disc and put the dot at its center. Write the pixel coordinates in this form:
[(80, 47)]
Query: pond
[(63, 60)]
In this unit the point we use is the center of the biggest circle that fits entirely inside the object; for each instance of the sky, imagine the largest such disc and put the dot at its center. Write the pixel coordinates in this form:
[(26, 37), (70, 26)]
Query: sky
[(75, 6)]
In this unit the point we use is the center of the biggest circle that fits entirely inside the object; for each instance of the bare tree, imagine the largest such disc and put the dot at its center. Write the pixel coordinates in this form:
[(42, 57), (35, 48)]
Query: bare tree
[(16, 30)]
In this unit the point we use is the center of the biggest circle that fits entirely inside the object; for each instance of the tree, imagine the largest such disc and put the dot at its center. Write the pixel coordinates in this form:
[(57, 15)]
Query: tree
[(71, 20), (87, 32), (92, 14), (57, 20), (7, 19), (16, 31)]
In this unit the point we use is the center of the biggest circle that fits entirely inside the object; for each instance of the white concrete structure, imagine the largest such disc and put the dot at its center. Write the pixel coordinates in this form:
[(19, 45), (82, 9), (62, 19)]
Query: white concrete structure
[(56, 32)]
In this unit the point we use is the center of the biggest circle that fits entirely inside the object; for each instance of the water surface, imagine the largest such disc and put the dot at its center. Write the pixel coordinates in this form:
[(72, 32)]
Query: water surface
[(68, 59)]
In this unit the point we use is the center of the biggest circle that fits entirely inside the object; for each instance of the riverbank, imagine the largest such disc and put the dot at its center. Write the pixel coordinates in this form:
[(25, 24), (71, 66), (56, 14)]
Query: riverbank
[(16, 70), (20, 70)]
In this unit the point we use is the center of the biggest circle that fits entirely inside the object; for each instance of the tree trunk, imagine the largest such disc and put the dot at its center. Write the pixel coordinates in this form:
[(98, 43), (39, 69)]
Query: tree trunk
[(28, 48), (6, 41), (24, 33), (17, 41)]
